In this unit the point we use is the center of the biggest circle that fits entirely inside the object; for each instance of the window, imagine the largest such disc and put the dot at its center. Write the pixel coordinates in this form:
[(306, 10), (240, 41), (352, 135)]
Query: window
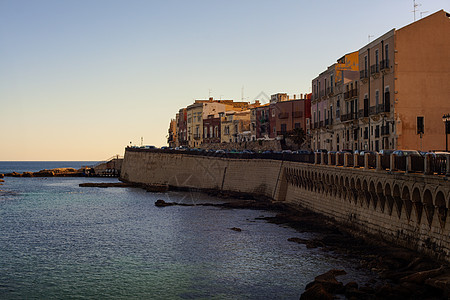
[(210, 131), (365, 63), (420, 125), (283, 128), (377, 98), (297, 125), (386, 53), (376, 60), (331, 82)]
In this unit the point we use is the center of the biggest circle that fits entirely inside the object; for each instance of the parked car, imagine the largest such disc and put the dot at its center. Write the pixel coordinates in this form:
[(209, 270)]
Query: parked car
[(406, 153), (286, 152), (148, 147), (345, 151), (367, 151), (303, 152), (322, 151), (357, 151), (248, 151), (386, 151)]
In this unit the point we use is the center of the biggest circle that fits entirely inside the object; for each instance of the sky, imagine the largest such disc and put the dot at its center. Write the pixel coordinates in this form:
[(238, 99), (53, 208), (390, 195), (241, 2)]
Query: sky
[(81, 79)]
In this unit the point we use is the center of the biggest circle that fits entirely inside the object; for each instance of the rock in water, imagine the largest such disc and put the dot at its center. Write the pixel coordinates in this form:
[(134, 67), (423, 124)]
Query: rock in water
[(162, 203), (236, 229)]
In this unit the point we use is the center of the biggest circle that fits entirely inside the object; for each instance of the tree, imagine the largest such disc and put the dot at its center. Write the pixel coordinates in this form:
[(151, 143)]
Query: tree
[(297, 135)]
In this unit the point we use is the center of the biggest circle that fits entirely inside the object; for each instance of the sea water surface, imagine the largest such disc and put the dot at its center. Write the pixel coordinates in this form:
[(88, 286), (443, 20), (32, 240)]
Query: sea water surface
[(61, 241)]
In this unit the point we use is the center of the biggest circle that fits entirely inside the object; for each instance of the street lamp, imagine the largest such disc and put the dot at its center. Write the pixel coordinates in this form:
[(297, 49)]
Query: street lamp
[(446, 120)]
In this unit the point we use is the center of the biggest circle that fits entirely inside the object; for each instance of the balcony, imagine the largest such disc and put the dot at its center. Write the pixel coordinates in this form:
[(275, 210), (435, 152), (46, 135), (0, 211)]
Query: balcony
[(364, 75), (330, 91), (315, 125), (372, 110), (349, 117), (384, 65), (284, 115), (351, 94), (322, 94), (377, 132), (297, 114), (375, 70), (321, 124), (385, 130), (197, 136)]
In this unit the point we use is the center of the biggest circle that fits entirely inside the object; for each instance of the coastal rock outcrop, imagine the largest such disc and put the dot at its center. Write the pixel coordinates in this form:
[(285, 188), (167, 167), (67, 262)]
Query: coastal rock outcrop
[(58, 172)]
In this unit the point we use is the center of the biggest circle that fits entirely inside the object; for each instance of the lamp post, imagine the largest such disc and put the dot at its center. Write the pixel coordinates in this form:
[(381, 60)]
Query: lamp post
[(446, 120)]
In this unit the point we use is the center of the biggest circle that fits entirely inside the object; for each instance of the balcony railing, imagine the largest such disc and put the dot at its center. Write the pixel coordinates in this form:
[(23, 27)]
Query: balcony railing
[(322, 93), (374, 69), (330, 90), (349, 117), (321, 124), (372, 110), (363, 74), (385, 130), (197, 136), (384, 64), (350, 94)]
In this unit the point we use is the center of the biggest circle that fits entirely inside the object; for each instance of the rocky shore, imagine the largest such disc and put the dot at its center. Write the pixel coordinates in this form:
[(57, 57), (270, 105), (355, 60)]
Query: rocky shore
[(58, 172), (401, 273)]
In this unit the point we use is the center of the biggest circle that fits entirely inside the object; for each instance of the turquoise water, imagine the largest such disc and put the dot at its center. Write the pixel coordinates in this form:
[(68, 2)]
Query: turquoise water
[(60, 241)]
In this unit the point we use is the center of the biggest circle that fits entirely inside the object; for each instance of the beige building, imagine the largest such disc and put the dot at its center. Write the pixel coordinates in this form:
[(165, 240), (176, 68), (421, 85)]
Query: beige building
[(235, 126), (195, 114), (329, 128), (405, 87)]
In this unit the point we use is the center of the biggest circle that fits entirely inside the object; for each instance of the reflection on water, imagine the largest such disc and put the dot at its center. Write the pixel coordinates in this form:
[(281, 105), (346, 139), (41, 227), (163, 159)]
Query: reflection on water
[(58, 240)]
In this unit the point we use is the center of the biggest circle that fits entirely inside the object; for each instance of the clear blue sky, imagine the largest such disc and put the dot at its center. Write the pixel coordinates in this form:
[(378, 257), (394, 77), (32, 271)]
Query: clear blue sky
[(81, 79)]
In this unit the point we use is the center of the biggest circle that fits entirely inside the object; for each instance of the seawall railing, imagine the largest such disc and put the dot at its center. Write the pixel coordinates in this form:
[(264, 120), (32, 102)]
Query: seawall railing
[(428, 164)]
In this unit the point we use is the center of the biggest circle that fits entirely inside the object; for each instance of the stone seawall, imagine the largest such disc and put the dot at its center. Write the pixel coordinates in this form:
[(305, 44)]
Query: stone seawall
[(408, 209)]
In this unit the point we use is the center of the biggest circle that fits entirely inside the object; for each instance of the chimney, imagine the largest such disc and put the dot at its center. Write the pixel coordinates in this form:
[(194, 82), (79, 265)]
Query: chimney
[(210, 99), (301, 96), (295, 96)]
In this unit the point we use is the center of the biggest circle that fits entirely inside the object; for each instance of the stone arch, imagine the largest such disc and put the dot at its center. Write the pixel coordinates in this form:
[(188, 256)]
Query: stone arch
[(407, 201), (417, 204), (428, 206), (397, 199), (365, 192), (442, 208), (358, 184), (389, 198), (380, 195), (373, 194)]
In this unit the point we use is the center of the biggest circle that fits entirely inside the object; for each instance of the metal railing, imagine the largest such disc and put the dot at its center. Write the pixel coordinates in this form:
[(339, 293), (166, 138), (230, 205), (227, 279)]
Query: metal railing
[(437, 164)]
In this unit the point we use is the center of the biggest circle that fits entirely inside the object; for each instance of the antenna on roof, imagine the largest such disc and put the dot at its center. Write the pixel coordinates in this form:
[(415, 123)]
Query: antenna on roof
[(370, 36), (415, 5), (242, 94), (423, 12)]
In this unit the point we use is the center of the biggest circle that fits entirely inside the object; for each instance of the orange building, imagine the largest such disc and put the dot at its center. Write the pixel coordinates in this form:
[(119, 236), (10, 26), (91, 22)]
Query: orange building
[(405, 87)]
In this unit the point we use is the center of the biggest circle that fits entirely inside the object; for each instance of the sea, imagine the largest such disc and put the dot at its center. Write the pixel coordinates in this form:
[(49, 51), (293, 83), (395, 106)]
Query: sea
[(62, 241)]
